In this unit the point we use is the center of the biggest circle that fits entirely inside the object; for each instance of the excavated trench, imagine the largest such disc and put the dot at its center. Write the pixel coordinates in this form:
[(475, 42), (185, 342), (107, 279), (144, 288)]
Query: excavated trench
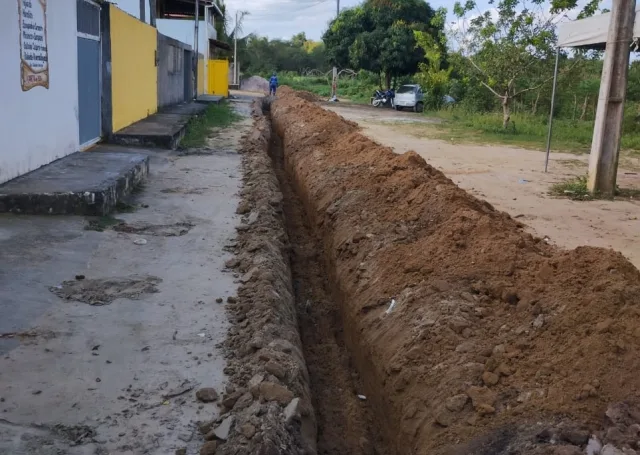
[(400, 315), (344, 419)]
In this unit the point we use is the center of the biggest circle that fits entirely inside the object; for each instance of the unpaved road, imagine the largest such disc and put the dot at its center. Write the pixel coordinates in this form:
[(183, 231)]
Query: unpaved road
[(513, 180), (120, 378)]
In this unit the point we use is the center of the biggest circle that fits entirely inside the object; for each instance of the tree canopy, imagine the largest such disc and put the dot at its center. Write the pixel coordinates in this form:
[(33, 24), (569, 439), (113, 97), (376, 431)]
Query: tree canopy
[(510, 48), (378, 36), (260, 55)]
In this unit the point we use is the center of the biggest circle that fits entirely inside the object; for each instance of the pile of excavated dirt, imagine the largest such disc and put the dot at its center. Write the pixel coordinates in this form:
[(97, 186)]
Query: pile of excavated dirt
[(470, 335), (267, 406), (255, 84), (308, 96)]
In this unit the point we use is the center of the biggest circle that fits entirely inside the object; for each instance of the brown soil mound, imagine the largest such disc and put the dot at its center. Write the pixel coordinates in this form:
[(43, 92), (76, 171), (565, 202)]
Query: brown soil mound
[(308, 96), (492, 330), (267, 404), (255, 84)]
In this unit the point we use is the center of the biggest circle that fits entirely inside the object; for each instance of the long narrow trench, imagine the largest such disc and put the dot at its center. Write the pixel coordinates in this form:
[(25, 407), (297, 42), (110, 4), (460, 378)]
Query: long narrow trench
[(345, 421)]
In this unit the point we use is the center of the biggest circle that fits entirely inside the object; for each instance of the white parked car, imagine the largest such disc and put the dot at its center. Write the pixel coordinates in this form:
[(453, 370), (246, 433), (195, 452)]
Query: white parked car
[(409, 96)]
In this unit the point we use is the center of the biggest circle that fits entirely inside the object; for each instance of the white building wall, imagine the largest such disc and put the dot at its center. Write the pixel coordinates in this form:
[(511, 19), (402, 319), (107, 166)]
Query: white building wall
[(40, 125), (183, 30)]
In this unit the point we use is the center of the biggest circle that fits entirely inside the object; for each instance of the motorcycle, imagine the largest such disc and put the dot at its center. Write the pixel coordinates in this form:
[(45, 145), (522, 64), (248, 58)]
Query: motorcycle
[(383, 98)]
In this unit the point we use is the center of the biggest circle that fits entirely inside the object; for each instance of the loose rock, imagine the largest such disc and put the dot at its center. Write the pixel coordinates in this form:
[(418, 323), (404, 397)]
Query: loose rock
[(207, 395), (274, 392), (444, 417), (456, 403), (490, 378), (275, 369), (209, 448), (292, 411), (243, 208), (481, 396), (222, 431), (567, 450), (248, 430)]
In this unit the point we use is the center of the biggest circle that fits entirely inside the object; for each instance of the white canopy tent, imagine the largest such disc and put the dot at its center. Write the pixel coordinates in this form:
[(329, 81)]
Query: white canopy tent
[(588, 33)]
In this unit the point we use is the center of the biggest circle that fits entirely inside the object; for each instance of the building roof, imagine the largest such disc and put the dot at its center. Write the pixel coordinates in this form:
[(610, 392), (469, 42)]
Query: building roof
[(220, 44), (187, 7)]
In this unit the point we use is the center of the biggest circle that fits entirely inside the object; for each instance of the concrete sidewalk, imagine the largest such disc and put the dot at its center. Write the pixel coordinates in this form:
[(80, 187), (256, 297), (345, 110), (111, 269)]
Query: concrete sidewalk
[(83, 183), (92, 183), (164, 129), (83, 373)]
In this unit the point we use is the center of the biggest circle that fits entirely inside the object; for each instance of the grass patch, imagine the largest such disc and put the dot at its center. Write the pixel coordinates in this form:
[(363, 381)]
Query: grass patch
[(354, 89), (125, 207), (139, 188), (576, 189), (526, 131), (101, 223), (199, 128)]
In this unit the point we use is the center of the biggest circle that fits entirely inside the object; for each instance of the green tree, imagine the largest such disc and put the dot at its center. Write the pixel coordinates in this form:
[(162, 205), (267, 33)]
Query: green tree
[(431, 74), (259, 55), (299, 40), (378, 36), (503, 49), (511, 51)]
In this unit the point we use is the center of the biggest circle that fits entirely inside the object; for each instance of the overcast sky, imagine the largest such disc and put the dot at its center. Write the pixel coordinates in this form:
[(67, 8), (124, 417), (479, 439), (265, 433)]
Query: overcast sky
[(285, 18)]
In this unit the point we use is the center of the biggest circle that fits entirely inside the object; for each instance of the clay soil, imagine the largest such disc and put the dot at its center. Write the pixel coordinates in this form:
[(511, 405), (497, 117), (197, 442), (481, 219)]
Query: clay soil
[(470, 334), (513, 180)]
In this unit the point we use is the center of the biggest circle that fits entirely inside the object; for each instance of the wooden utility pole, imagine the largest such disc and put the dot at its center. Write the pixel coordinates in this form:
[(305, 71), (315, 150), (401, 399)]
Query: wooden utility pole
[(143, 9), (196, 32), (235, 52), (607, 132), (334, 79)]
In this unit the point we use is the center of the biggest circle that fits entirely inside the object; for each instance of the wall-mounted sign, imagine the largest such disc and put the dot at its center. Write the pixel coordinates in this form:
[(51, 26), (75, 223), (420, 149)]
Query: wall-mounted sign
[(34, 57)]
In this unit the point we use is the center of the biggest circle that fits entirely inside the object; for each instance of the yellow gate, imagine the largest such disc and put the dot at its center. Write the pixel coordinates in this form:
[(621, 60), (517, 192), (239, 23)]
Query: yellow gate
[(219, 77)]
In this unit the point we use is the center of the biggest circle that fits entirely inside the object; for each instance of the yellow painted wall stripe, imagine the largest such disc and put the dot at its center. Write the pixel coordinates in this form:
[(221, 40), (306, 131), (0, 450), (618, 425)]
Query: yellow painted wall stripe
[(219, 77), (134, 75)]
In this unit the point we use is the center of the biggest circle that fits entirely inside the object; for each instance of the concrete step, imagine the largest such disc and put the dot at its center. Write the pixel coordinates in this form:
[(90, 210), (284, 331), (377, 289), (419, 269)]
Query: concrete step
[(83, 183), (164, 129), (209, 99)]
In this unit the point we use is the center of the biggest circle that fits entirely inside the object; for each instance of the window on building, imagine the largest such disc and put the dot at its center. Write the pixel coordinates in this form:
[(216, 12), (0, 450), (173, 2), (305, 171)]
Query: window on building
[(175, 60)]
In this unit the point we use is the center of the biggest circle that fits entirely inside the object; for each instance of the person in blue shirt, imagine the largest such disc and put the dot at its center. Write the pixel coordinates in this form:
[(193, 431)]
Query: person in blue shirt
[(273, 84)]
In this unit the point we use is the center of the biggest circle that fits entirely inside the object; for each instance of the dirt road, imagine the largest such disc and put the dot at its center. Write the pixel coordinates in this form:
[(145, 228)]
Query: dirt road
[(512, 179), (119, 376)]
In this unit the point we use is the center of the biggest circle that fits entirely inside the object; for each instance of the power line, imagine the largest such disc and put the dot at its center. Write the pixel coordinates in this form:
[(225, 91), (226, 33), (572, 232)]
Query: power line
[(288, 13)]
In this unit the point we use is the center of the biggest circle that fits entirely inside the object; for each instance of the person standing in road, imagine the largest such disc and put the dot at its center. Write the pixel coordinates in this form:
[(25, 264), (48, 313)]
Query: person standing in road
[(273, 84)]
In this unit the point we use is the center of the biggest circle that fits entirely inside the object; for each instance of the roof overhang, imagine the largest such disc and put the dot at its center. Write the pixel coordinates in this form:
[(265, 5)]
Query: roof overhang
[(187, 7), (220, 44), (591, 32)]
